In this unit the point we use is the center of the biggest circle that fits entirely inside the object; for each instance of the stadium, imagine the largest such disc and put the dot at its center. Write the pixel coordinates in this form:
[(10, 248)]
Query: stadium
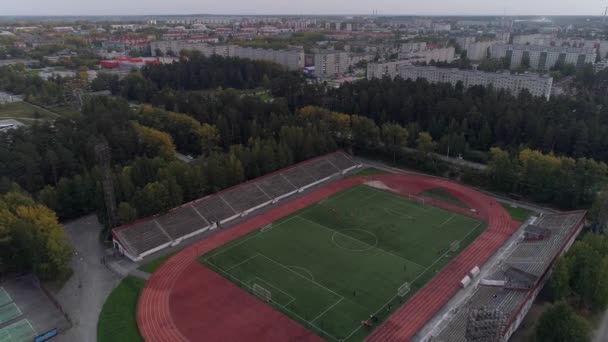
[(321, 251)]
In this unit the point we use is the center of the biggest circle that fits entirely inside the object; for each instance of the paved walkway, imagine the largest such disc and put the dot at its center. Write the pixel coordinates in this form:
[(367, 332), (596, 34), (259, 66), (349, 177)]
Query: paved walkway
[(601, 334), (84, 294)]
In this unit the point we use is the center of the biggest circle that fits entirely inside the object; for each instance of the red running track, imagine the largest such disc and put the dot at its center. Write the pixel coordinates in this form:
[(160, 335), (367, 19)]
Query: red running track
[(185, 301)]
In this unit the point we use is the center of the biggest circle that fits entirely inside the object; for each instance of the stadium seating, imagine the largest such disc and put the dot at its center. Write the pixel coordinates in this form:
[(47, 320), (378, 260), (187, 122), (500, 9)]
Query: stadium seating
[(341, 161), (143, 237), (276, 186), (214, 208), (298, 177), (319, 169), (526, 263), (181, 222), (245, 197)]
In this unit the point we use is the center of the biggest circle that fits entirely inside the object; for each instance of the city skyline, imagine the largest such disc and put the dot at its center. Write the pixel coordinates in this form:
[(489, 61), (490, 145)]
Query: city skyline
[(305, 7)]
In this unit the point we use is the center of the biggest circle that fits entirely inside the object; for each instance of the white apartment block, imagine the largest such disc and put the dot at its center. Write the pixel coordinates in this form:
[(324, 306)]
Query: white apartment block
[(380, 70), (543, 57), (438, 55), (291, 58), (330, 63), (537, 85)]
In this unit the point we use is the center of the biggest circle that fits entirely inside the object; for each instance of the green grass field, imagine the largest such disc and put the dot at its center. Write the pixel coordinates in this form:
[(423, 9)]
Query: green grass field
[(517, 213), (153, 265), (117, 320), (24, 112), (333, 264)]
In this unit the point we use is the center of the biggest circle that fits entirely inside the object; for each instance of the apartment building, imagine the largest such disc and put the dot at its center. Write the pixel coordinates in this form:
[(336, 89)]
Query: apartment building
[(476, 50), (428, 54), (291, 58), (329, 63), (543, 57), (380, 70), (537, 85)]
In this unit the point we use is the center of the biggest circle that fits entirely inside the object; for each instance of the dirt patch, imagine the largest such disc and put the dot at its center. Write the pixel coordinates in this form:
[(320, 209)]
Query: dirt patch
[(379, 185)]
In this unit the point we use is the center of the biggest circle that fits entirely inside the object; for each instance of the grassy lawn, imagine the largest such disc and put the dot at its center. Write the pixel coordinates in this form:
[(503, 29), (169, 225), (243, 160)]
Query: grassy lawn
[(153, 265), (67, 111), (117, 320), (329, 266), (442, 195), (24, 112), (517, 213)]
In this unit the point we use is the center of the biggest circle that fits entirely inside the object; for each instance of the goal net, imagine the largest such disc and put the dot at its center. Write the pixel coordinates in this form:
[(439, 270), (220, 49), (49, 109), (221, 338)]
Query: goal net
[(262, 292), (403, 289), (415, 198)]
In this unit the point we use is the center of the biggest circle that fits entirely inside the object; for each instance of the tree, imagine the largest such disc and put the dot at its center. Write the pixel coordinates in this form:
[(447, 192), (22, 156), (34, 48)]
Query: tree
[(394, 137), (599, 210), (37, 240), (126, 213), (425, 144), (154, 142), (559, 283), (502, 170), (559, 323)]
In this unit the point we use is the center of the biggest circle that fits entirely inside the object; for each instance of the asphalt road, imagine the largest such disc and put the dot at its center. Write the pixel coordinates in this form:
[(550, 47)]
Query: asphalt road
[(82, 297)]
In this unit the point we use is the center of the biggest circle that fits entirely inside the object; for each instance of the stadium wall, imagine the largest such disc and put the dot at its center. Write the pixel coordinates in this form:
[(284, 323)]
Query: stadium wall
[(523, 310)]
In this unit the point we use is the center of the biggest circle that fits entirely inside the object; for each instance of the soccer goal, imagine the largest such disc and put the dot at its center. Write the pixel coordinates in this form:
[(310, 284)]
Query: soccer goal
[(403, 289), (416, 198), (454, 246), (261, 292)]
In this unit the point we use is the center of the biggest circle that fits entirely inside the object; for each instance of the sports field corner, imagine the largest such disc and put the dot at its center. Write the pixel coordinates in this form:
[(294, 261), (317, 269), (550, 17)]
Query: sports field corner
[(344, 255)]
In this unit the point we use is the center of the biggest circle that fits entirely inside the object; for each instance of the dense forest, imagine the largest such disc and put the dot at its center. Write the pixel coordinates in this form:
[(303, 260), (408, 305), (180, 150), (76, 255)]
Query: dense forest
[(271, 118)]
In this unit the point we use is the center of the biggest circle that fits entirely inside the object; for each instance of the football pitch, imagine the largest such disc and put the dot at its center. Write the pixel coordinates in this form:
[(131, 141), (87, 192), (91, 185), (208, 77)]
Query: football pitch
[(360, 253)]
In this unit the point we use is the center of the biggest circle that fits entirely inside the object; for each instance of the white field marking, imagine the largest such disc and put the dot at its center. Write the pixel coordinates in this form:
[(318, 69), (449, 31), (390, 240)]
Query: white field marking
[(396, 213), (9, 335), (405, 201), (448, 220), (303, 269), (312, 324), (299, 275), (252, 281), (241, 262), (326, 310), (7, 295), (372, 247), (245, 240), (31, 327), (446, 252), (342, 193), (411, 282), (228, 204), (314, 282)]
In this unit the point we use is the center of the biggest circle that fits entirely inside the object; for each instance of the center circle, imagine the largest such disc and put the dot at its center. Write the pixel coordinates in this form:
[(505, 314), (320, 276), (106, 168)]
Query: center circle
[(366, 240)]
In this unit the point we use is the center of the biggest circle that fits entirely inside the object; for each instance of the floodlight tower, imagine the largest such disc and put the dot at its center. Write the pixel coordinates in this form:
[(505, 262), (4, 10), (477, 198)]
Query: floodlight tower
[(102, 154)]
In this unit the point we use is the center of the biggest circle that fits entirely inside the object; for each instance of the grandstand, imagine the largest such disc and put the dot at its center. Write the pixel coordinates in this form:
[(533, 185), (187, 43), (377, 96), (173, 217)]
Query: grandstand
[(146, 236), (503, 297)]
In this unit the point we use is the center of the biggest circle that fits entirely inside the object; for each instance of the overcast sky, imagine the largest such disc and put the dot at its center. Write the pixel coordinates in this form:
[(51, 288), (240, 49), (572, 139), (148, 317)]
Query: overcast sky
[(388, 7)]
